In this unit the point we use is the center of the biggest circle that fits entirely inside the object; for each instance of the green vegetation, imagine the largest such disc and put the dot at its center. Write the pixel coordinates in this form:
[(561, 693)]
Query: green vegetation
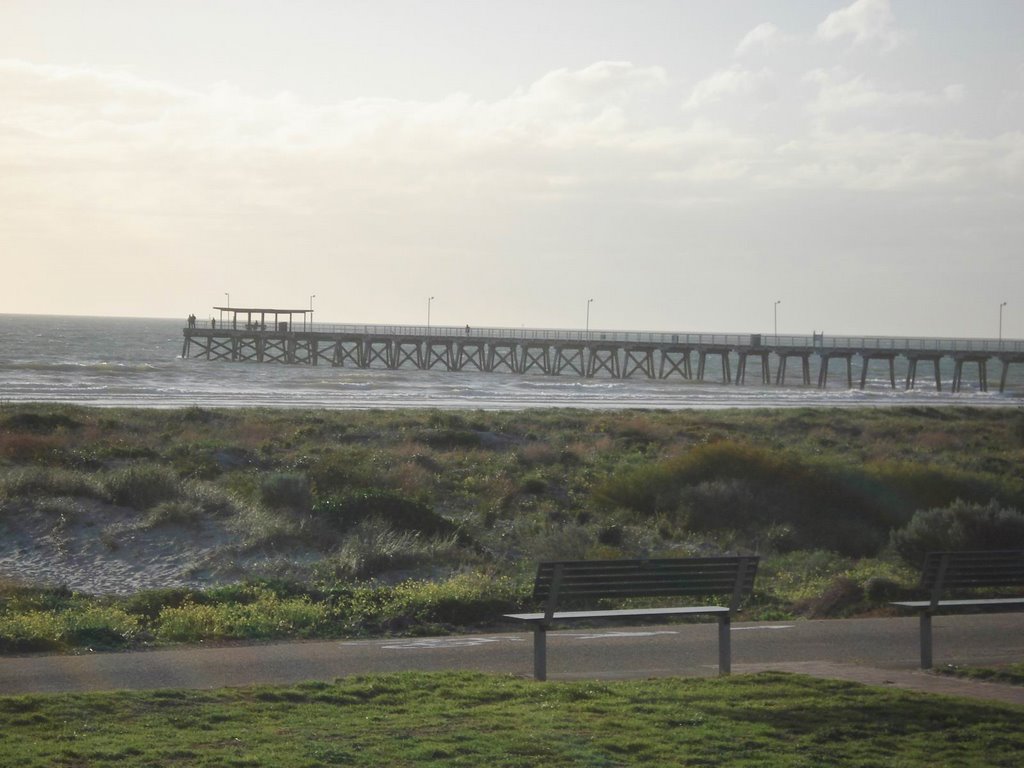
[(1011, 673), (321, 523), (57, 619), (959, 526), (472, 719)]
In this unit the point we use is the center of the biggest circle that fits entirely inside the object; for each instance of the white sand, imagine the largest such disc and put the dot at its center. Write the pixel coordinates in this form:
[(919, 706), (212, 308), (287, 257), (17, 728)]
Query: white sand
[(102, 549)]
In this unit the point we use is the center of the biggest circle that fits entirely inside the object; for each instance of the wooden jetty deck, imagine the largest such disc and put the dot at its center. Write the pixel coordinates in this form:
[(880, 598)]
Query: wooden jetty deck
[(260, 335)]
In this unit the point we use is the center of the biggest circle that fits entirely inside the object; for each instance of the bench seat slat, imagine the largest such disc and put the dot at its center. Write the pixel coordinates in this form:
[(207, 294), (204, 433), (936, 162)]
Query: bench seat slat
[(622, 613), (977, 603), (627, 590), (990, 576)]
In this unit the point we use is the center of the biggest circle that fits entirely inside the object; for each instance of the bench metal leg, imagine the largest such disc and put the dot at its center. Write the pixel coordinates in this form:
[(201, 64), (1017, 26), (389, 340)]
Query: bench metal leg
[(724, 648), (926, 641), (540, 653)]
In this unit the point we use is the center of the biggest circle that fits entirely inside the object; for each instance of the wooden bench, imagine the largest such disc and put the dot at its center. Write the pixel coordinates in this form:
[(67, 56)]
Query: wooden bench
[(948, 573), (585, 582)]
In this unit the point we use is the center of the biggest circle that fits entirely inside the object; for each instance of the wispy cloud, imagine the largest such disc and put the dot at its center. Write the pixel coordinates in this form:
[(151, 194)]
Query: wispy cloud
[(733, 81), (840, 91), (864, 22), (148, 157), (765, 36)]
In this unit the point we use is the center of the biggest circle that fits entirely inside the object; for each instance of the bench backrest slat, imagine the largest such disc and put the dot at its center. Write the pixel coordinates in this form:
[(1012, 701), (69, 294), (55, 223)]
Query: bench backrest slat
[(944, 571), (671, 577)]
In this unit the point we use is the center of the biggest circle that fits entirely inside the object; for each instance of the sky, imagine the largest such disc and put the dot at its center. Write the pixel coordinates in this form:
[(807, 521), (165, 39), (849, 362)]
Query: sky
[(846, 167)]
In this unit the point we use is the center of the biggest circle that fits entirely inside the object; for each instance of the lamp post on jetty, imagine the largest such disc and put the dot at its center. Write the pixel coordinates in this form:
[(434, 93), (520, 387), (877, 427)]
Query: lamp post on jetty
[(229, 306), (312, 296), (589, 301), (1001, 324), (777, 320), (428, 314)]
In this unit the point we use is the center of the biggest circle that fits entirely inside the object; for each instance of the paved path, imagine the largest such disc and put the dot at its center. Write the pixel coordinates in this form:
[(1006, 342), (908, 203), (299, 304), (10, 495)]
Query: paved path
[(874, 651)]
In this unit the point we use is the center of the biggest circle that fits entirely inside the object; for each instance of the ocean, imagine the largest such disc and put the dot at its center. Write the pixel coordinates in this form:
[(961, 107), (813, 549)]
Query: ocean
[(123, 362)]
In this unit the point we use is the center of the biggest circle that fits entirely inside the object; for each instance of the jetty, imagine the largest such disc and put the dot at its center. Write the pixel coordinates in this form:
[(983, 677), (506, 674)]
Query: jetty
[(288, 336)]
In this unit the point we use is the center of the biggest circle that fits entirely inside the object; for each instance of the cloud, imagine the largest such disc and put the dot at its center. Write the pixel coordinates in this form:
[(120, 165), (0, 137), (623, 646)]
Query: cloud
[(872, 160), (863, 22), (113, 154), (765, 35), (734, 81), (841, 92)]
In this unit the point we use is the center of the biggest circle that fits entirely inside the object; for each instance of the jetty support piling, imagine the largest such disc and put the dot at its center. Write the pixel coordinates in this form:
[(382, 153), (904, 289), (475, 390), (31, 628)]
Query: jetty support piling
[(826, 359), (603, 358), (958, 370), (868, 355), (503, 356), (913, 358), (1007, 361), (377, 350), (570, 357), (439, 354), (716, 351), (471, 354), (638, 359), (675, 359), (805, 365), (535, 357), (763, 355), (407, 351)]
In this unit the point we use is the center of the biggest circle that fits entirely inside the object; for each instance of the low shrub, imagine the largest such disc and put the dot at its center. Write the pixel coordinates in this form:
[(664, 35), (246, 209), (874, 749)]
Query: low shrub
[(822, 503), (534, 485), (31, 631), (840, 598), (30, 448), (465, 600), (99, 626), (286, 490), (88, 625), (803, 575), (959, 526), (141, 486), (38, 482), (186, 513), (401, 513), (274, 528), (268, 616), (373, 547), (449, 439), (149, 603), (30, 421)]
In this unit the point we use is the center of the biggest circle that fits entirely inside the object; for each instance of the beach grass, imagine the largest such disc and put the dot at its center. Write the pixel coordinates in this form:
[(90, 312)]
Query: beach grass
[(471, 719)]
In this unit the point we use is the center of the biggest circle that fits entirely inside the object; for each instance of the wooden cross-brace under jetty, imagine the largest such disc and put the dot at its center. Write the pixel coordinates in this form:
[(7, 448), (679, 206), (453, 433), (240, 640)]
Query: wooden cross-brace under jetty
[(288, 336)]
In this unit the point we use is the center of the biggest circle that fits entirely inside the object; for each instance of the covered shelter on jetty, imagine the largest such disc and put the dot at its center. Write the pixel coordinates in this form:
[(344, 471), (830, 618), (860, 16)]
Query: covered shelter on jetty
[(255, 318)]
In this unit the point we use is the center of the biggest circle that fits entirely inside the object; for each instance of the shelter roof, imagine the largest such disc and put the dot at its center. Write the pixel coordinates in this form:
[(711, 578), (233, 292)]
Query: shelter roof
[(264, 310)]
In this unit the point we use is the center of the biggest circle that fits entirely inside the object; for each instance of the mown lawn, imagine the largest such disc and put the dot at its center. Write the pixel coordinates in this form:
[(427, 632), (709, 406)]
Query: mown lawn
[(471, 719)]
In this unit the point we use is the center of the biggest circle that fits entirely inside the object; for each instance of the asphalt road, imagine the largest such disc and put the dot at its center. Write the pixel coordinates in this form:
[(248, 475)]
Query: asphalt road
[(679, 649)]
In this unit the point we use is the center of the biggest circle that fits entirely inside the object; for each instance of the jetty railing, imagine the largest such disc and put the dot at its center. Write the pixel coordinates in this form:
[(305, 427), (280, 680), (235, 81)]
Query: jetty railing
[(824, 342)]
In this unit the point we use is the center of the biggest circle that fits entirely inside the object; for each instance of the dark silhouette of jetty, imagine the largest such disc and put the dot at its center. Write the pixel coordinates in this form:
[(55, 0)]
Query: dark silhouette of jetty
[(267, 335)]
